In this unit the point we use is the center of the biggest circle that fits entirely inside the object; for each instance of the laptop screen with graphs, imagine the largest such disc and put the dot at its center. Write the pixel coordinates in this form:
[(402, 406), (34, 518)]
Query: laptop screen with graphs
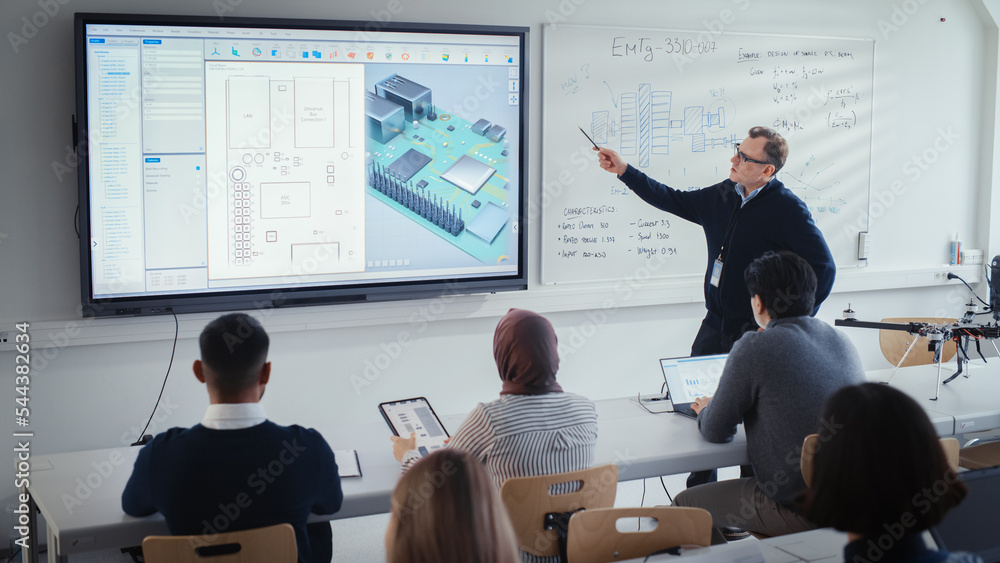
[(691, 377)]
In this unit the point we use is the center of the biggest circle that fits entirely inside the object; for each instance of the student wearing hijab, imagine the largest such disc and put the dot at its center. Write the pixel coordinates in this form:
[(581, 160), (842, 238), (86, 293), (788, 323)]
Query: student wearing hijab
[(534, 428)]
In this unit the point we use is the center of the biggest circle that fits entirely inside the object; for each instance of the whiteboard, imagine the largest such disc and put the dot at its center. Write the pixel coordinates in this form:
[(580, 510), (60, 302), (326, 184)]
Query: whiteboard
[(673, 103)]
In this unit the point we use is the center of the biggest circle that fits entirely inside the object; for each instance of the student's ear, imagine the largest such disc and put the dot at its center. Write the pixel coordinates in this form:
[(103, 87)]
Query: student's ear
[(265, 376), (265, 373), (757, 303), (199, 370)]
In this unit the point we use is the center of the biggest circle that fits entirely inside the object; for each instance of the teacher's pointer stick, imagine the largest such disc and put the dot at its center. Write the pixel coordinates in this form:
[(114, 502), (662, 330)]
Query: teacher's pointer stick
[(588, 137)]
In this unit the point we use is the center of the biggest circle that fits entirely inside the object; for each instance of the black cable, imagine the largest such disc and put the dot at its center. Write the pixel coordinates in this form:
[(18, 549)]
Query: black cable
[(959, 278), (665, 490), (173, 349), (638, 399), (13, 555)]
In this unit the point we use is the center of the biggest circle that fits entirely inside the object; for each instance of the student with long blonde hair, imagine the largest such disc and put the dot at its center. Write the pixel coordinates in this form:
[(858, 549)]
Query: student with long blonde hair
[(446, 510)]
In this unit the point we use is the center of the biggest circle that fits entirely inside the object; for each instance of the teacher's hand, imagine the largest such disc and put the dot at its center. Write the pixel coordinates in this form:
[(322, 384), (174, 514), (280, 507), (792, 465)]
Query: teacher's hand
[(402, 445), (610, 161)]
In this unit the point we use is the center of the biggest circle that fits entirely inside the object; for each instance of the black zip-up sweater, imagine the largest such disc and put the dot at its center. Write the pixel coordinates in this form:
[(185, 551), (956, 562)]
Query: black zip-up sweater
[(775, 219)]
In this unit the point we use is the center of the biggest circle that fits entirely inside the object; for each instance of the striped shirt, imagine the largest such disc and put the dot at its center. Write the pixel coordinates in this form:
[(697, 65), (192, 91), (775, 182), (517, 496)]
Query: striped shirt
[(526, 435)]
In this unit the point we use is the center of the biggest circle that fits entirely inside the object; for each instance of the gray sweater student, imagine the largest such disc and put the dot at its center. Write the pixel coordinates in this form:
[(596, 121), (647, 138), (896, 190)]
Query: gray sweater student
[(775, 382)]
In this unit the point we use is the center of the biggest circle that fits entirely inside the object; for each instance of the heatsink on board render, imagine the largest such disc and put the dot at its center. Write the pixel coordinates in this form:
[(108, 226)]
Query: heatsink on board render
[(469, 174)]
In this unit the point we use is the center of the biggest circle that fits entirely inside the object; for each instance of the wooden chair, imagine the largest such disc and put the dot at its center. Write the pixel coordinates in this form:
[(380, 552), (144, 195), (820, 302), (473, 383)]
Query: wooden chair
[(594, 536), (811, 443), (895, 342), (271, 544), (951, 451), (540, 512), (980, 456), (809, 446)]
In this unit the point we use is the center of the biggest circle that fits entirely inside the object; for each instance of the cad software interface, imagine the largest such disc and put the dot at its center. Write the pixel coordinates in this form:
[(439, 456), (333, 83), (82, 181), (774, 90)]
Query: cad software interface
[(225, 158)]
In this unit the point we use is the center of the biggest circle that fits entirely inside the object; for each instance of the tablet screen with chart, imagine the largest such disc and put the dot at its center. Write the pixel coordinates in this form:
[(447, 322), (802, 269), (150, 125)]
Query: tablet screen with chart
[(415, 416), (246, 163)]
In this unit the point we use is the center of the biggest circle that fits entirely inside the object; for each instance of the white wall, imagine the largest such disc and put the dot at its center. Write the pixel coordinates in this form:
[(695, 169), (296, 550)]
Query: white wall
[(930, 75)]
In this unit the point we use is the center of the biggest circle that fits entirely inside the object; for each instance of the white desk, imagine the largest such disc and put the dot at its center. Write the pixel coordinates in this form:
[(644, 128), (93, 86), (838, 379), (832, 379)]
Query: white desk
[(972, 403), (825, 545), (641, 444)]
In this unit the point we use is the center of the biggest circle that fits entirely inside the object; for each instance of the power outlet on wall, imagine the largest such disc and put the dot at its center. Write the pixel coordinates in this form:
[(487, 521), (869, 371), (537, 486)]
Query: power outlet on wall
[(6, 340)]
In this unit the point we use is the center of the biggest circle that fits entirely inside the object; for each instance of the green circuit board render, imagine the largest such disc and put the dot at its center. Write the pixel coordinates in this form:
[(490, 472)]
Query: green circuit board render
[(451, 177)]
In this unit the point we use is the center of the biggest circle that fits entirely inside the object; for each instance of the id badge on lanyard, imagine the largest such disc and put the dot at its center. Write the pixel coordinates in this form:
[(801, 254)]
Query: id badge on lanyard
[(716, 271)]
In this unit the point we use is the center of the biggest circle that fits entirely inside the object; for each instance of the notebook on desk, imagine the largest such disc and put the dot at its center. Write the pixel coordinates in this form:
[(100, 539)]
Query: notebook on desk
[(348, 464), (688, 378)]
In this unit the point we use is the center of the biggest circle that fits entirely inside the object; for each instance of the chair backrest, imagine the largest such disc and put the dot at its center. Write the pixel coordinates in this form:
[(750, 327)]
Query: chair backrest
[(951, 449), (895, 342), (271, 544), (528, 499), (809, 445), (594, 536), (980, 456)]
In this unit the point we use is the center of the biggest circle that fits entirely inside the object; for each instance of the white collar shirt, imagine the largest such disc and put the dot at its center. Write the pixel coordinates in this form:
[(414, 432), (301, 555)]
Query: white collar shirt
[(233, 416)]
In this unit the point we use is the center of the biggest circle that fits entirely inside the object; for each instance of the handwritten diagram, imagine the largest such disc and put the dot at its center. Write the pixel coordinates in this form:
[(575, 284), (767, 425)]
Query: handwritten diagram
[(648, 123), (812, 182)]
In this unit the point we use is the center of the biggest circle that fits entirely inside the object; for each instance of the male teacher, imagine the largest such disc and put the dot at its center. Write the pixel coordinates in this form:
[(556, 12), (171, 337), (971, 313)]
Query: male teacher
[(743, 217)]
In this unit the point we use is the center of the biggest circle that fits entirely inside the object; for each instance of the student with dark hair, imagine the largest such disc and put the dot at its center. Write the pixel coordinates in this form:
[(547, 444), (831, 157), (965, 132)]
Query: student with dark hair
[(775, 382), (781, 285), (880, 474), (445, 510), (237, 470)]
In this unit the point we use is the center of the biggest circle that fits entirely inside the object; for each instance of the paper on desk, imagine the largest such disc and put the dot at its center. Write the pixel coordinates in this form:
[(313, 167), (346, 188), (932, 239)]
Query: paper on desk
[(347, 463)]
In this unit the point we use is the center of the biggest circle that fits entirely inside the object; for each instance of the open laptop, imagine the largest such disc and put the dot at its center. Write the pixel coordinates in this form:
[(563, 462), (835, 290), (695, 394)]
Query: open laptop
[(691, 377), (972, 525)]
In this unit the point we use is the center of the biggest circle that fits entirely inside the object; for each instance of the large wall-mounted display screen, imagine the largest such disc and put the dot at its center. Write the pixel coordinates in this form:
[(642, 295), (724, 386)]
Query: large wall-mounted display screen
[(244, 163)]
